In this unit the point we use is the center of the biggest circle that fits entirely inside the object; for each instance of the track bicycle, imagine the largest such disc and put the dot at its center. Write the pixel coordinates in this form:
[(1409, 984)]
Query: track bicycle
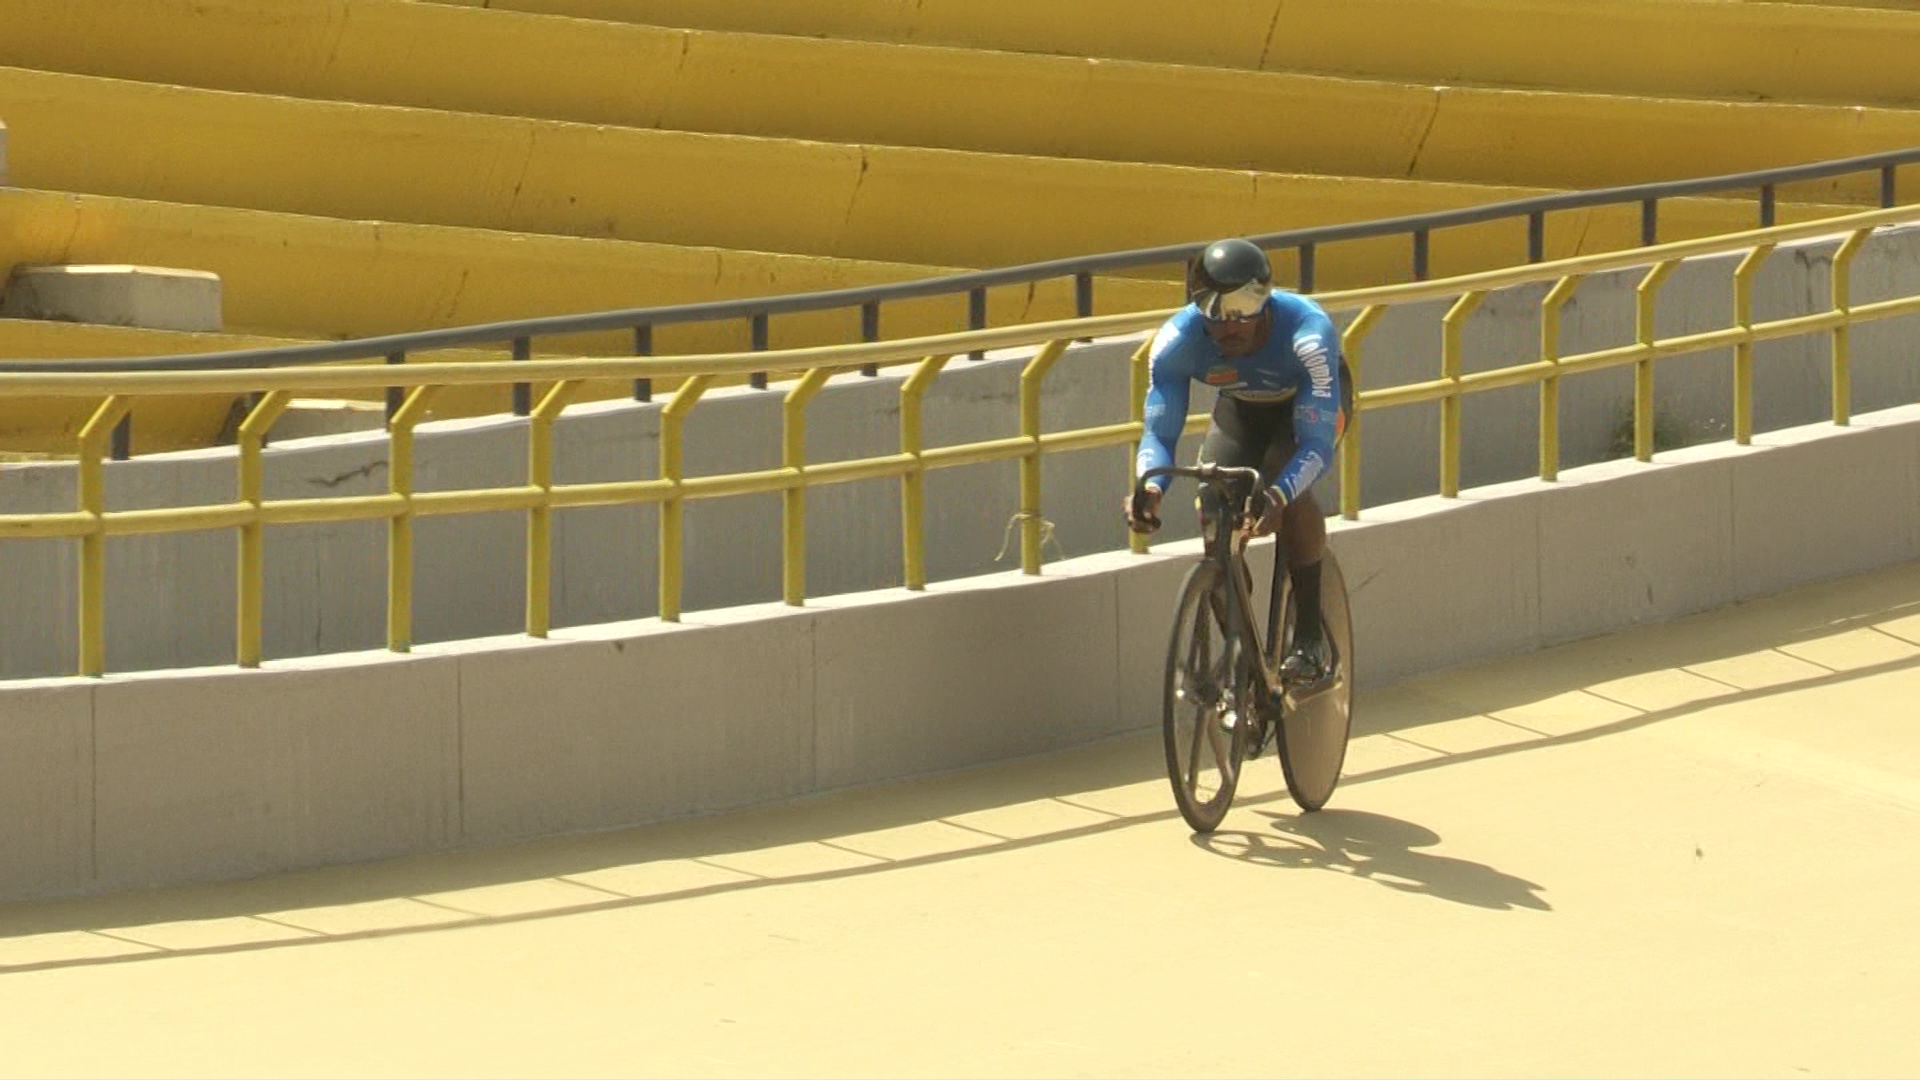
[(1224, 697)]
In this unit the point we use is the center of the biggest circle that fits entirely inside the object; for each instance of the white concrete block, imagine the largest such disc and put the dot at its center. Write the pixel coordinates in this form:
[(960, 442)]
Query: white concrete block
[(1439, 582), (1818, 502), (307, 418), (223, 773), (634, 722), (1625, 543), (46, 787), (969, 672), (156, 297)]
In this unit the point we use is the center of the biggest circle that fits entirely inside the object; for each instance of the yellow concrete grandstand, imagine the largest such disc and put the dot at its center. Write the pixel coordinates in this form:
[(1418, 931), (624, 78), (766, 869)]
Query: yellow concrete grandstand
[(584, 537), (362, 167)]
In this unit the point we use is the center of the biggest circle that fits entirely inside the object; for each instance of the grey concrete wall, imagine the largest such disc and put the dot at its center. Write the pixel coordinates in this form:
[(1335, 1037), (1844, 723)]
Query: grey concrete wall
[(148, 778), (235, 773), (46, 787), (171, 599)]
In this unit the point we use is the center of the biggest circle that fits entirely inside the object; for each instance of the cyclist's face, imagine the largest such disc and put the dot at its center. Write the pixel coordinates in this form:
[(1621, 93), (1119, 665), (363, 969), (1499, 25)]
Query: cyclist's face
[(1238, 337)]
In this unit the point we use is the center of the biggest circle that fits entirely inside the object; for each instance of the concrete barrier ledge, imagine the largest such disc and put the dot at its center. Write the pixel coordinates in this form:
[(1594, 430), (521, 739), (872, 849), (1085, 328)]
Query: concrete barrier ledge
[(155, 778)]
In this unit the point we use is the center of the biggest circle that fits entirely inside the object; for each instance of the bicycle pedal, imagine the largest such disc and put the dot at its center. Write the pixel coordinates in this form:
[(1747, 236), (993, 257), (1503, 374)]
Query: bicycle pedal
[(1205, 698)]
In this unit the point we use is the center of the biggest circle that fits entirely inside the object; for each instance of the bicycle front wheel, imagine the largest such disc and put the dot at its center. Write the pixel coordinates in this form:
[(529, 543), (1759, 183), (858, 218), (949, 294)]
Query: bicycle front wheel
[(1204, 689)]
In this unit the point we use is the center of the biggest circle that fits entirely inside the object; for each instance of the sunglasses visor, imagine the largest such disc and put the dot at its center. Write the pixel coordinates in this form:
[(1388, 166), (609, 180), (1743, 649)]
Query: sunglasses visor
[(1239, 305)]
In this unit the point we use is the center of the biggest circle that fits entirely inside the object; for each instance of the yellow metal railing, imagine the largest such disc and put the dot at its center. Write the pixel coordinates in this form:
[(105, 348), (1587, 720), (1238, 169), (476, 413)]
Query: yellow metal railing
[(91, 523)]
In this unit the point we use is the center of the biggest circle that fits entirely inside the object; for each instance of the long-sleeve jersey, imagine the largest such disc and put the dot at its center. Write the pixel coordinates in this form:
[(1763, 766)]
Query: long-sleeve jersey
[(1300, 360)]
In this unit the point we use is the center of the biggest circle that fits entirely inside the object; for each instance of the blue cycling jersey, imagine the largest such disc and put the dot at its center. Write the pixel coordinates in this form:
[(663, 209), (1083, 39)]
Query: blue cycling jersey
[(1300, 360)]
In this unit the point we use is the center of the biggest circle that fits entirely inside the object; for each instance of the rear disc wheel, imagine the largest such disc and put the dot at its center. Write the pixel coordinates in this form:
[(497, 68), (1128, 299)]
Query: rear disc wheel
[(1314, 731)]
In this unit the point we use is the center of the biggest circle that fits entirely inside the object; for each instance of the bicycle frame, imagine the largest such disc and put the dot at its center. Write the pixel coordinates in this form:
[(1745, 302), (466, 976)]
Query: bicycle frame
[(1226, 547), (1310, 728)]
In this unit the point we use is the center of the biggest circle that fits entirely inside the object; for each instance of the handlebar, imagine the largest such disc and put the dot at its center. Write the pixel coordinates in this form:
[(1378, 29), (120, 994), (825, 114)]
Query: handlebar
[(1206, 473)]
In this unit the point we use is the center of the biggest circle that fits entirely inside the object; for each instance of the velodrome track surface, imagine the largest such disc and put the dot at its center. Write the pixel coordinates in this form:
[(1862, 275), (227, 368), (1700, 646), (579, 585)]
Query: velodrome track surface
[(1689, 849)]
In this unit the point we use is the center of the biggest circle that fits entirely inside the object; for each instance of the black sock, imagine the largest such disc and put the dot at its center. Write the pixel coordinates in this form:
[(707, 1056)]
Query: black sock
[(1306, 602)]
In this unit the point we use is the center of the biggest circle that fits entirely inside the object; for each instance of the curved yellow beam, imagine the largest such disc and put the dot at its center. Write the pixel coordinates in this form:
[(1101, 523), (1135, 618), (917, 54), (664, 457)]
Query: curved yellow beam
[(885, 353)]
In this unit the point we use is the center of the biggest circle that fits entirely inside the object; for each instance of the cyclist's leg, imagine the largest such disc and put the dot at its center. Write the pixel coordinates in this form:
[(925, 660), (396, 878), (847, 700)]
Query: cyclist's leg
[(1303, 521), (1303, 524)]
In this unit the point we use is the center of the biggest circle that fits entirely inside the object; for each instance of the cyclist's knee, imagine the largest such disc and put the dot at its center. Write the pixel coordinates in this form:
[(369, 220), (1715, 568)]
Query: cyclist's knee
[(1305, 507)]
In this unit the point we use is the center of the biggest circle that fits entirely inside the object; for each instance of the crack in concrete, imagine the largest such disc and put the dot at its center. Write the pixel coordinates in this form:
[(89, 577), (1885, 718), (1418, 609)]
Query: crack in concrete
[(1586, 226), (339, 34), (526, 166), (1432, 119), (853, 198), (319, 606), (673, 83), (459, 292), (1273, 24), (335, 481)]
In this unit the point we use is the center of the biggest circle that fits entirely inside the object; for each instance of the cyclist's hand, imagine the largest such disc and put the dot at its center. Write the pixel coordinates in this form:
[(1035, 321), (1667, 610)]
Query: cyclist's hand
[(1264, 510), (1143, 510)]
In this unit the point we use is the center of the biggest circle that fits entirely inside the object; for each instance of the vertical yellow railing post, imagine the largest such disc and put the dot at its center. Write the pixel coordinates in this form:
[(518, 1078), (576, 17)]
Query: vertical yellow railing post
[(1843, 303), (793, 455), (1550, 306), (93, 546), (673, 426), (251, 593), (540, 515), (1743, 352), (1645, 295), (400, 526), (913, 484), (1139, 379), (1450, 369), (1032, 535), (1350, 340)]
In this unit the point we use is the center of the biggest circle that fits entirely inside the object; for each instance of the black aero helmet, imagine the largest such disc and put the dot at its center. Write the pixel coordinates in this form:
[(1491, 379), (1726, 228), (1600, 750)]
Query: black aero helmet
[(1230, 280)]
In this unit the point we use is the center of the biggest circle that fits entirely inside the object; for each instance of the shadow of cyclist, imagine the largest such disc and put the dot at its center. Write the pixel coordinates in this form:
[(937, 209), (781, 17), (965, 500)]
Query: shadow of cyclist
[(1378, 848)]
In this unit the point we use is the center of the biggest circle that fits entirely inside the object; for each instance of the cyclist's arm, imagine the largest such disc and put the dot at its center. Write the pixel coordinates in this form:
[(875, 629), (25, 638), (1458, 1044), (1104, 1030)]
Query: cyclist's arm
[(1166, 411), (1316, 406)]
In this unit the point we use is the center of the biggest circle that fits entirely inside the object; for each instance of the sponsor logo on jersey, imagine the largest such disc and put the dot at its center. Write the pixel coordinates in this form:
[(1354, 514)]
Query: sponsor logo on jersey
[(1311, 466), (1222, 375), (1313, 356)]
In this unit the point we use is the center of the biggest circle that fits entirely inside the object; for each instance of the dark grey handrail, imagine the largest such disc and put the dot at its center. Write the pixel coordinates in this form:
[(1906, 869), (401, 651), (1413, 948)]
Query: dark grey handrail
[(641, 321)]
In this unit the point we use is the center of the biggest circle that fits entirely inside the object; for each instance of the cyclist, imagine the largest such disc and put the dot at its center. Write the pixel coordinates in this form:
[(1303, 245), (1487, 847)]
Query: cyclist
[(1284, 398)]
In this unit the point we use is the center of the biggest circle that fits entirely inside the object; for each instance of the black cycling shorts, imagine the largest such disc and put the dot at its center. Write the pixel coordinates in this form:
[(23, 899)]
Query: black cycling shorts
[(1259, 435)]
